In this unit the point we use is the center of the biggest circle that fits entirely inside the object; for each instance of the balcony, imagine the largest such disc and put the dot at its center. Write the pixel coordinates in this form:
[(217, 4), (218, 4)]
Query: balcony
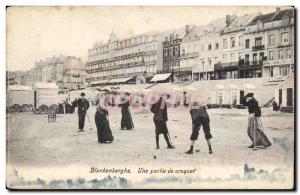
[(258, 47), (175, 70), (189, 55), (248, 64), (281, 45), (228, 65)]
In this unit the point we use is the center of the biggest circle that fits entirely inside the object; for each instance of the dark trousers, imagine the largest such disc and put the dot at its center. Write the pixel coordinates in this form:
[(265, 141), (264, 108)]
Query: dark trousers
[(197, 123), (81, 118)]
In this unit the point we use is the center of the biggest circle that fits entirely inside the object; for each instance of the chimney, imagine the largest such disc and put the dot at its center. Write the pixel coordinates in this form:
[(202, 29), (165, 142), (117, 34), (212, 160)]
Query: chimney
[(187, 28), (228, 20)]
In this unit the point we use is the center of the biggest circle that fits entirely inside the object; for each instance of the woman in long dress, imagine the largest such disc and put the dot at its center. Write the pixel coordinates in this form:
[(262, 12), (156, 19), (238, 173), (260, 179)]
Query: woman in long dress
[(255, 129), (126, 121), (103, 127)]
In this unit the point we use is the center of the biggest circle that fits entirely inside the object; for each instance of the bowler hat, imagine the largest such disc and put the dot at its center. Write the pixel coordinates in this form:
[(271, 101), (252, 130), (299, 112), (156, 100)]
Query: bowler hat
[(82, 94), (249, 95)]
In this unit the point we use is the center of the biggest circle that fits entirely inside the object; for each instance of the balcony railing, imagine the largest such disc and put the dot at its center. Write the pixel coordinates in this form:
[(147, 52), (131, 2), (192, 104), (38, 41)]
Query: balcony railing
[(252, 63), (258, 47), (189, 55), (288, 44), (175, 70), (221, 66)]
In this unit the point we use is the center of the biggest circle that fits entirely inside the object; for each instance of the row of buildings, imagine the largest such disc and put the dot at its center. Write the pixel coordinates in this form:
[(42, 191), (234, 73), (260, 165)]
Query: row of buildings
[(68, 72), (248, 46)]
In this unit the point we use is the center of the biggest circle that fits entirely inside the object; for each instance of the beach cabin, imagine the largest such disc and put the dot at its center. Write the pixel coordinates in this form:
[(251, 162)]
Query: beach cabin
[(45, 94), (284, 95), (21, 95)]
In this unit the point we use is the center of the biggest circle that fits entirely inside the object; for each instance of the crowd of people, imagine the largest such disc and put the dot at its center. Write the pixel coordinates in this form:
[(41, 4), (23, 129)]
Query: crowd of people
[(199, 116)]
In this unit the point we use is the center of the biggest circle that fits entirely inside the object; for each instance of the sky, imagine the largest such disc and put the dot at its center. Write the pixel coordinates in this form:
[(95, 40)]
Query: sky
[(34, 33)]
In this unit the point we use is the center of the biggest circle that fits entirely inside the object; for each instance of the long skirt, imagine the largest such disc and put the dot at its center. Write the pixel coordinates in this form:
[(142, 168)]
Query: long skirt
[(161, 127), (103, 128), (255, 132), (126, 121)]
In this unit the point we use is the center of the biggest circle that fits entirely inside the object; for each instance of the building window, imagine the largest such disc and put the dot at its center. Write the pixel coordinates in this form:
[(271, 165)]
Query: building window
[(280, 55), (247, 59), (284, 37), (240, 41), (224, 43), (232, 40), (271, 55), (255, 57), (258, 41), (209, 47), (209, 61), (225, 57), (217, 46), (271, 40), (247, 43), (166, 52), (232, 57), (284, 70), (288, 53)]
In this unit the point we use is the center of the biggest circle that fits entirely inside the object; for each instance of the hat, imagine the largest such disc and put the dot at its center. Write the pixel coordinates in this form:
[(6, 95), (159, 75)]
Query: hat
[(82, 94), (249, 95)]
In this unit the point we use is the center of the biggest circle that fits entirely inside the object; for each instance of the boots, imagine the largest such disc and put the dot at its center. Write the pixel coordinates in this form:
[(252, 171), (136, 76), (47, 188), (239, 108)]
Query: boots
[(157, 141), (170, 146), (190, 151), (210, 150)]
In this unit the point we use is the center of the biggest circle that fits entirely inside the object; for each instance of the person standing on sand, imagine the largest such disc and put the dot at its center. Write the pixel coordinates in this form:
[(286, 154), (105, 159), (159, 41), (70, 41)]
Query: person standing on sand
[(83, 106), (103, 128), (160, 119), (126, 120), (255, 133), (199, 118)]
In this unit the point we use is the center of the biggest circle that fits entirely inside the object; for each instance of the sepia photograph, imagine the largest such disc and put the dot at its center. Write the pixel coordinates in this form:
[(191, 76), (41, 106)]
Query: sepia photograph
[(150, 97)]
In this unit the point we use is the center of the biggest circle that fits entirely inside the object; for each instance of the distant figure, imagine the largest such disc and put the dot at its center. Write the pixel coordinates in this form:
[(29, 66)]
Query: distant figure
[(275, 106), (199, 118), (103, 128), (255, 133), (160, 119), (83, 106), (126, 121)]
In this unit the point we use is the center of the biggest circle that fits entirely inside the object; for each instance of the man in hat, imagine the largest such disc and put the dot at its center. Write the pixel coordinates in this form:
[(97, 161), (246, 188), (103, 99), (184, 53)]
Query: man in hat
[(83, 106), (199, 118), (255, 133)]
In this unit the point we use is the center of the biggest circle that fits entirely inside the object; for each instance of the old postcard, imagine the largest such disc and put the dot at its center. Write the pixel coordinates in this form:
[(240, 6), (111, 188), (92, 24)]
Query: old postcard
[(142, 97)]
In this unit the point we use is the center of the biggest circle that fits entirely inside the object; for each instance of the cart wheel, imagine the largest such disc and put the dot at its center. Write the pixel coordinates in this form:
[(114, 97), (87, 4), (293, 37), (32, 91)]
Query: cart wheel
[(37, 110), (44, 108), (25, 108), (53, 108), (16, 108)]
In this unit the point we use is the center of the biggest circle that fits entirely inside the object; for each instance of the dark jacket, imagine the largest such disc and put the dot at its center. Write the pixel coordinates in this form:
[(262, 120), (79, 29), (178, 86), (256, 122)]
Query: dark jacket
[(83, 105), (253, 107), (198, 111), (125, 107), (159, 113)]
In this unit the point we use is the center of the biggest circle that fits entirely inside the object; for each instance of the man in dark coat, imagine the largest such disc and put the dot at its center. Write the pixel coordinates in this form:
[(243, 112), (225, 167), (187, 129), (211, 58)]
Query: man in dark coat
[(255, 129), (199, 118), (83, 106), (126, 121), (160, 119)]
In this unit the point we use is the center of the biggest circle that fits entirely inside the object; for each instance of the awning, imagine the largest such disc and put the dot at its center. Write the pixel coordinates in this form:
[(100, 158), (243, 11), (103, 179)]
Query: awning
[(120, 80), (41, 85), (99, 82), (160, 77), (19, 88)]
